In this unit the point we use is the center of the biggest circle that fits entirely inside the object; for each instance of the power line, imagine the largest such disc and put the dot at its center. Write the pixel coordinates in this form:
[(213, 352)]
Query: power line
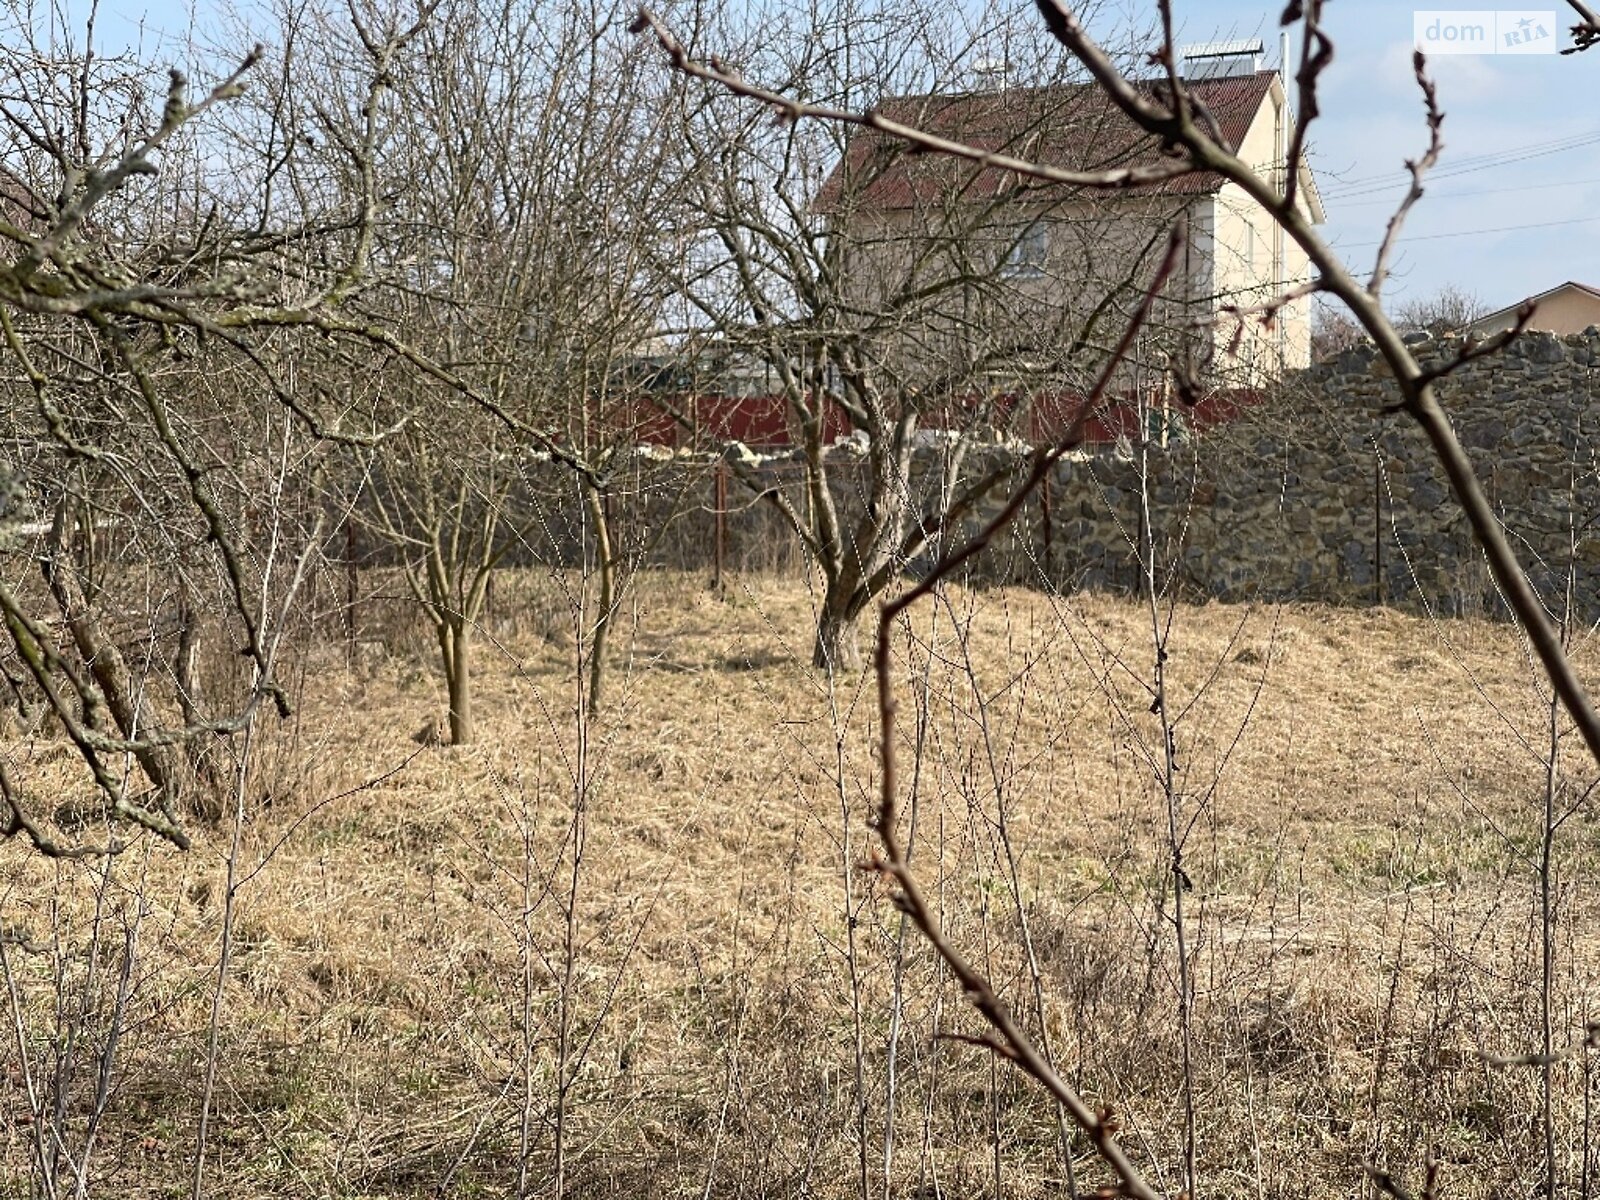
[(1474, 162), (1434, 237), (1438, 175), (1506, 159), (1520, 187)]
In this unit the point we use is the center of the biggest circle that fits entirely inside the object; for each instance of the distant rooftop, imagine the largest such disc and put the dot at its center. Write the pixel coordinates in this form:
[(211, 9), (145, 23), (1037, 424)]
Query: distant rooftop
[(1538, 296)]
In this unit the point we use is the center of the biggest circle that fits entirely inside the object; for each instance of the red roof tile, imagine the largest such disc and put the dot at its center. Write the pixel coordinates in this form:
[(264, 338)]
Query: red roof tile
[(1072, 126)]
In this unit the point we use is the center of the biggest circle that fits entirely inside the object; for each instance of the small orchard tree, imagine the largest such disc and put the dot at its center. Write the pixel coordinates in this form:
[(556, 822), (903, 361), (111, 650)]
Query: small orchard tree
[(520, 189), (884, 293), (144, 280)]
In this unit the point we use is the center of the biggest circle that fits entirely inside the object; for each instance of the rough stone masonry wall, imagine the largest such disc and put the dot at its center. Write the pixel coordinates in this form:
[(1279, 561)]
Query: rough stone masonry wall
[(1320, 495)]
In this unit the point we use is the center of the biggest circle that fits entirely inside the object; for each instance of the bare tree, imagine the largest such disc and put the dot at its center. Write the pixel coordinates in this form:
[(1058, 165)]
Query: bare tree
[(168, 250), (119, 290), (520, 192), (1449, 310), (1332, 330), (883, 294)]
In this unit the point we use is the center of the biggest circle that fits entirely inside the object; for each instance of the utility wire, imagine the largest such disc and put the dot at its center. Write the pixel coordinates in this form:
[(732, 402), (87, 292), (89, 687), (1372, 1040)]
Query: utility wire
[(1434, 176), (1506, 160), (1520, 187), (1470, 163), (1433, 237)]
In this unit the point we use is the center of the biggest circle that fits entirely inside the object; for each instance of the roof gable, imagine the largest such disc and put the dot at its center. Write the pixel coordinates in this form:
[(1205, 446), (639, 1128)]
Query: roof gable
[(1511, 309), (1309, 195)]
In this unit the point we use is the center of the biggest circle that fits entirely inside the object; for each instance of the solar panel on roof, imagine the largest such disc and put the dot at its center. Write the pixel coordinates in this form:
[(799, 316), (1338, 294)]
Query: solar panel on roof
[(1221, 60)]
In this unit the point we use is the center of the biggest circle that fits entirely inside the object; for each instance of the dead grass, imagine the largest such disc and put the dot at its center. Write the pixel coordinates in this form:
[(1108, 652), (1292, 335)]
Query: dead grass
[(1364, 788)]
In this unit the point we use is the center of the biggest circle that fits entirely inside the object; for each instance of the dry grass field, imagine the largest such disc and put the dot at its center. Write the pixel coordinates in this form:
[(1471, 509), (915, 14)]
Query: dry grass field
[(638, 956)]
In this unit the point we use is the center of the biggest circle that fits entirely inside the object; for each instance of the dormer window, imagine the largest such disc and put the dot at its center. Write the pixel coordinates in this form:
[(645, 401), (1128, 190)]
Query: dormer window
[(1026, 258)]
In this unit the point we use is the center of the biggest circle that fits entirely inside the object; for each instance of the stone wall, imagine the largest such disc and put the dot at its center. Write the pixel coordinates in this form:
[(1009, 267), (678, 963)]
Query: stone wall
[(1319, 494)]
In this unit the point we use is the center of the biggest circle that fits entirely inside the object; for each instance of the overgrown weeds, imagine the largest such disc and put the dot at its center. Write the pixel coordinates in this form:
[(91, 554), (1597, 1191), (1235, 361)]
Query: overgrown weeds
[(440, 955)]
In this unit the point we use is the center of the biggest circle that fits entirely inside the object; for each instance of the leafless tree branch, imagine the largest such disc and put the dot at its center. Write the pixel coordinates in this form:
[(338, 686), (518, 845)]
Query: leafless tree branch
[(1417, 168)]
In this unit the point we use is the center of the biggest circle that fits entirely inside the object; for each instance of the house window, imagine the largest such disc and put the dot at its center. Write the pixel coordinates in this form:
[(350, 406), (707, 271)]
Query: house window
[(1026, 258)]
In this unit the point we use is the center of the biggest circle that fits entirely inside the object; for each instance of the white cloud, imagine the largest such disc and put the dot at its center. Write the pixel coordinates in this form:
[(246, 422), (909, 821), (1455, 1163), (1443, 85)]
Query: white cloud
[(1461, 77)]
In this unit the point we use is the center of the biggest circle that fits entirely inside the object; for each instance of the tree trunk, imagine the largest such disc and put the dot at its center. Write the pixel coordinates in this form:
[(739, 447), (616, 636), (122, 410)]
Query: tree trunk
[(606, 564), (184, 660), (454, 639), (838, 645), (118, 694)]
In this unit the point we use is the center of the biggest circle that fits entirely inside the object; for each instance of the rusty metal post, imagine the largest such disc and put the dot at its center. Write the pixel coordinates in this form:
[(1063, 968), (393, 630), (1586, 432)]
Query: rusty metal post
[(722, 527)]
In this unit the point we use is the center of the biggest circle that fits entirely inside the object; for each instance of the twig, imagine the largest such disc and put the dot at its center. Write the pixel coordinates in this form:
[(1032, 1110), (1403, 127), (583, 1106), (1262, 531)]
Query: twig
[(1471, 350), (1587, 32), (1316, 52), (1417, 167)]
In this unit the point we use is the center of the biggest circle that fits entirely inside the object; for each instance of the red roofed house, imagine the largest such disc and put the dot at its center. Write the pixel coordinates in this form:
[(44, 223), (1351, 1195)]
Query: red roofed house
[(1032, 250)]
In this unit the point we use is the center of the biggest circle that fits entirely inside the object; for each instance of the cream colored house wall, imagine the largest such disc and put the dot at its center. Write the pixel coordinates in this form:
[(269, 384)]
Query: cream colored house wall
[(1092, 249), (1256, 262)]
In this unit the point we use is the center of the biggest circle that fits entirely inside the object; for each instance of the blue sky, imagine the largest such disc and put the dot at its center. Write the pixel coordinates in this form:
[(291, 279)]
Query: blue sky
[(1522, 137)]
